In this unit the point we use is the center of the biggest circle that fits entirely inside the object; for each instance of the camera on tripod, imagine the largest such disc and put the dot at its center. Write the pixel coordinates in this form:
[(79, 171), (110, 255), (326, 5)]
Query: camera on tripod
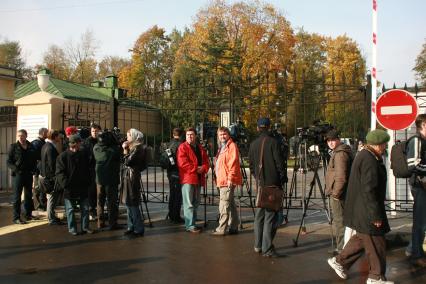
[(315, 134)]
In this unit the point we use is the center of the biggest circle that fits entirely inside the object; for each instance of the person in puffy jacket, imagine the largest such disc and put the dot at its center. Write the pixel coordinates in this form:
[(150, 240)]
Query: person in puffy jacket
[(193, 165), (228, 177), (336, 182)]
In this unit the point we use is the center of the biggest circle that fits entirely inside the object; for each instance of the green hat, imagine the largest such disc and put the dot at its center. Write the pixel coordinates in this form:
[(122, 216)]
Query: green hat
[(377, 137)]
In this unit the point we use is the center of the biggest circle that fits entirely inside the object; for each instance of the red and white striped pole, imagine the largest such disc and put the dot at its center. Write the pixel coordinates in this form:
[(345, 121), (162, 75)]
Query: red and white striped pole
[(374, 68)]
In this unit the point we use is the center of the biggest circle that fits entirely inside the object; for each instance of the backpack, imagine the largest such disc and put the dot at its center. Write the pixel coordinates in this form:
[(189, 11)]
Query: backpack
[(398, 159)]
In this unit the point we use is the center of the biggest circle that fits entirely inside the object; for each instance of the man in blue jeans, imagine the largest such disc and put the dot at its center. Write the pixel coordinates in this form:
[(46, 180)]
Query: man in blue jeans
[(72, 167), (416, 160), (193, 164)]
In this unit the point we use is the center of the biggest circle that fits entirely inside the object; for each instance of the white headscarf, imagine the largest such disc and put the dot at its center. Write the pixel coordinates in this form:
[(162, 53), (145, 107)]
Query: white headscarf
[(137, 137)]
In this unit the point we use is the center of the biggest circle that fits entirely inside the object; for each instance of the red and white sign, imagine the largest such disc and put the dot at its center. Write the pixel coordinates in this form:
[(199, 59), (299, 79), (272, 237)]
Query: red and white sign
[(396, 109)]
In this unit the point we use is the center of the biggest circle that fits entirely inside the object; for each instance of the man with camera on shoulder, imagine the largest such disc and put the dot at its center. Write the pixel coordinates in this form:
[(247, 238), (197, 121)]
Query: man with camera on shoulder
[(107, 158)]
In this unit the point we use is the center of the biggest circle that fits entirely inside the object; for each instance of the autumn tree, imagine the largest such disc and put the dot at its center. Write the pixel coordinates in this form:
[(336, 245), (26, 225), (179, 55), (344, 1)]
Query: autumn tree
[(11, 56), (420, 67), (111, 65), (150, 66), (81, 55), (230, 43), (56, 60)]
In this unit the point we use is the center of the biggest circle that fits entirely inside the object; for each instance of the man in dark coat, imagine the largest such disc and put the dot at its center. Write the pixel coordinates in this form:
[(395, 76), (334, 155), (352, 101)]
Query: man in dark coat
[(175, 199), (47, 180), (365, 211), (72, 167), (39, 197), (107, 157), (272, 174), (336, 182), (88, 145), (21, 160)]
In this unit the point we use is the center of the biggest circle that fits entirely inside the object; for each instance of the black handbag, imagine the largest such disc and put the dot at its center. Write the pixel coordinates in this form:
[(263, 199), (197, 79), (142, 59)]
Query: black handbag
[(270, 196)]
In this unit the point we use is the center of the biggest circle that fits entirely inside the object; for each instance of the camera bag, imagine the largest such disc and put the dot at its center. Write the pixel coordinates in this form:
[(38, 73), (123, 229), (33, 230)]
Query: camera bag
[(268, 197)]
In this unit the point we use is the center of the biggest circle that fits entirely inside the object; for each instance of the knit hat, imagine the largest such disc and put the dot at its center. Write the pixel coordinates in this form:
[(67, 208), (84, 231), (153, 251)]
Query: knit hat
[(332, 134), (263, 122), (377, 137), (70, 130), (74, 139)]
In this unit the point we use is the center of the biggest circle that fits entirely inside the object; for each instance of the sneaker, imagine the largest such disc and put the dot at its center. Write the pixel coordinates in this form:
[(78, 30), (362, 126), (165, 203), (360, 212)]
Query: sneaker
[(257, 250), (379, 281), (194, 230), (338, 268), (271, 254), (74, 233), (217, 233), (87, 231), (233, 232), (19, 222)]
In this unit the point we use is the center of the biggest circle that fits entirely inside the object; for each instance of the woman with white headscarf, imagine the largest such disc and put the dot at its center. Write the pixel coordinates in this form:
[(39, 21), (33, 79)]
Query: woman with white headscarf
[(130, 186)]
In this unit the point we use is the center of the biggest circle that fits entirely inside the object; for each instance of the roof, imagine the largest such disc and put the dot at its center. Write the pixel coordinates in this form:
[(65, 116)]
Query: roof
[(62, 89), (70, 90), (38, 98)]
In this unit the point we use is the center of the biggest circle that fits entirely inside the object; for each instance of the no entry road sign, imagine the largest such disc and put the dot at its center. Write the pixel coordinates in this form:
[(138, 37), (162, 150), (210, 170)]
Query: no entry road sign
[(396, 109)]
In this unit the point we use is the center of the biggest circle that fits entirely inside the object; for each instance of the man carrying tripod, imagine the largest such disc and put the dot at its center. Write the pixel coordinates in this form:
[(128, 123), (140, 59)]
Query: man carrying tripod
[(336, 182)]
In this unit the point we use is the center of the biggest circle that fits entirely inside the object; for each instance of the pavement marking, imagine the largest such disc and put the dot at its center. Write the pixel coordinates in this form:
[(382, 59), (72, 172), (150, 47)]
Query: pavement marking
[(16, 227)]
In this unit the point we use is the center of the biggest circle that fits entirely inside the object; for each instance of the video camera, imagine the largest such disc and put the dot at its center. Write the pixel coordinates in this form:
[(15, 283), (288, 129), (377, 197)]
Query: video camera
[(238, 133), (111, 137), (315, 134)]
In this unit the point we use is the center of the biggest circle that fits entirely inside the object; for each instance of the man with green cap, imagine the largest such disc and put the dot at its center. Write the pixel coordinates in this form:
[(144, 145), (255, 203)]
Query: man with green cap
[(365, 211)]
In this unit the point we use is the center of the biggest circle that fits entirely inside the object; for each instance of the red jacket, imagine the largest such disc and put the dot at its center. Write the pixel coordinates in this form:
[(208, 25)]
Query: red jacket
[(187, 165), (228, 165)]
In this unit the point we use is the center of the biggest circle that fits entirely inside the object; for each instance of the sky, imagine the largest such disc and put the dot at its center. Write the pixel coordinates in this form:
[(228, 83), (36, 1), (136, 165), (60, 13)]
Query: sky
[(116, 25)]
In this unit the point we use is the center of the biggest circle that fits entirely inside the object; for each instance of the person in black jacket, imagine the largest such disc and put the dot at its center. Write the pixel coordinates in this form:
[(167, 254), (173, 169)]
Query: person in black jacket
[(47, 180), (365, 211), (39, 197), (272, 174), (130, 185), (88, 145), (21, 160), (72, 167), (175, 199), (107, 156)]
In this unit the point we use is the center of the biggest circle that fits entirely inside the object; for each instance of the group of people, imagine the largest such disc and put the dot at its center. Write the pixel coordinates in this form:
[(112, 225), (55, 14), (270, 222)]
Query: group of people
[(356, 185), (85, 172), (357, 190)]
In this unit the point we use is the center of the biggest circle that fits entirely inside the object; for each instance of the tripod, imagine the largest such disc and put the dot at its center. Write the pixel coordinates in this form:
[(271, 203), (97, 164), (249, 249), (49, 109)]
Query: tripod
[(300, 166), (246, 185), (144, 199), (315, 180)]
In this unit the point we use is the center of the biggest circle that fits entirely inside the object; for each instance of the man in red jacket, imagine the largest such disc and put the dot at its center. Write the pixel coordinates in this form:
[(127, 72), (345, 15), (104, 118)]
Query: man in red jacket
[(228, 176), (193, 164)]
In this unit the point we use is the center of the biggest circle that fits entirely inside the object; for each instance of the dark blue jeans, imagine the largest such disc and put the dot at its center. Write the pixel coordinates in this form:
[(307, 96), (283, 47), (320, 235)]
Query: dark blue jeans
[(22, 182), (135, 220), (419, 222), (84, 210), (264, 223)]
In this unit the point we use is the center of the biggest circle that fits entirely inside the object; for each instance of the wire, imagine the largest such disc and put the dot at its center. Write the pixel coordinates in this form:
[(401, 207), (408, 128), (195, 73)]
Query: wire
[(69, 6)]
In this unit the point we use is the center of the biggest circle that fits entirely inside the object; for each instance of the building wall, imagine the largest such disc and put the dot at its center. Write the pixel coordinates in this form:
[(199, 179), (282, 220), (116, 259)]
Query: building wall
[(7, 86)]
